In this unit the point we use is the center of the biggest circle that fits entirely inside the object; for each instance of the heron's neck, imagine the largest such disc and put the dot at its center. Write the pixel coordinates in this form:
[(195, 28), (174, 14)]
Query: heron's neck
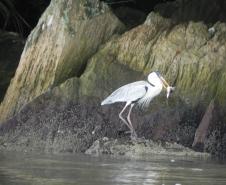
[(151, 84), (155, 82)]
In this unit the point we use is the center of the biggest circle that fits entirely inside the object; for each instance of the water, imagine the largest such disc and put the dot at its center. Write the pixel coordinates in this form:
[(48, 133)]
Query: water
[(20, 169)]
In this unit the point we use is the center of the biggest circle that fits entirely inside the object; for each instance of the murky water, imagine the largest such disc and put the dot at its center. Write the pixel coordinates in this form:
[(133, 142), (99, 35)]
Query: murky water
[(20, 169)]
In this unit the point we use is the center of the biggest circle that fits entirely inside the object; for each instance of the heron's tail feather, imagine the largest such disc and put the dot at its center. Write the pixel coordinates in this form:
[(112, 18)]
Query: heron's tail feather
[(107, 101), (144, 103)]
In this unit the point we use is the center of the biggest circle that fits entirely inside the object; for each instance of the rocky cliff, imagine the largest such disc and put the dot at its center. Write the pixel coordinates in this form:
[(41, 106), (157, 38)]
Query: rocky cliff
[(189, 53)]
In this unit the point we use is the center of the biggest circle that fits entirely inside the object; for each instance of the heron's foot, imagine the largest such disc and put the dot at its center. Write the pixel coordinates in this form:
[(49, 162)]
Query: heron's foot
[(133, 136), (128, 132)]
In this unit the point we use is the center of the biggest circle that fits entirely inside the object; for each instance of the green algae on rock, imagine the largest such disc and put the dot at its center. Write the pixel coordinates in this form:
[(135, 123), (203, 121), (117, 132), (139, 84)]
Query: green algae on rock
[(185, 54)]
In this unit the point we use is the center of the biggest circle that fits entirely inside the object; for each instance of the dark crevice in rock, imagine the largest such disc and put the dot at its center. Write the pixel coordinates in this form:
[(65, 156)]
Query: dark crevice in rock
[(11, 48), (207, 11), (141, 5), (21, 16), (130, 17), (133, 13), (81, 70)]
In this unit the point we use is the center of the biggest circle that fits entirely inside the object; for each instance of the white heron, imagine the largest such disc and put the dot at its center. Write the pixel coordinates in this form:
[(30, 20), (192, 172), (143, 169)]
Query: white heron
[(139, 92)]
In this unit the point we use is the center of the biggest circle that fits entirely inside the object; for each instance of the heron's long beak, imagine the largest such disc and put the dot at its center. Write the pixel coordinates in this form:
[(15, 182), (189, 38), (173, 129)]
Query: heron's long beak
[(165, 84)]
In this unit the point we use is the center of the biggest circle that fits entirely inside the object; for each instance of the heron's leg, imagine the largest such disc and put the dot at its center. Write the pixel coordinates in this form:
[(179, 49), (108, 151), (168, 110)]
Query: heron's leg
[(133, 133), (123, 120)]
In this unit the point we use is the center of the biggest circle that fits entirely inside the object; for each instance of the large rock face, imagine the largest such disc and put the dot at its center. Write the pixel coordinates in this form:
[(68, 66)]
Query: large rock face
[(190, 55), (55, 127), (48, 124), (187, 55), (67, 34)]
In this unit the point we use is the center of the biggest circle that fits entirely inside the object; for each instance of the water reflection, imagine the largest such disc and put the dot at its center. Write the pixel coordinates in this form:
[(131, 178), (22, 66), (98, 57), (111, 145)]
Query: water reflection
[(20, 169), (137, 173)]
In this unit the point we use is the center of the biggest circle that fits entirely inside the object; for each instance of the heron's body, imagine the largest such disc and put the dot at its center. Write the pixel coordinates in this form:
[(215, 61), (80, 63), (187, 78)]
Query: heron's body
[(140, 92)]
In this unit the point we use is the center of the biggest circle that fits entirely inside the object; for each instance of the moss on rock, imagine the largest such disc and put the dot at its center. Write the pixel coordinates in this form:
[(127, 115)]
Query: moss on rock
[(185, 54)]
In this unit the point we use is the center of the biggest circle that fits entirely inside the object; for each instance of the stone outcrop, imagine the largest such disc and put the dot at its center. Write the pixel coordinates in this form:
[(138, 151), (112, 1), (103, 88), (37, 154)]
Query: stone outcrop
[(51, 126), (204, 126), (11, 48), (189, 54), (67, 35), (143, 149)]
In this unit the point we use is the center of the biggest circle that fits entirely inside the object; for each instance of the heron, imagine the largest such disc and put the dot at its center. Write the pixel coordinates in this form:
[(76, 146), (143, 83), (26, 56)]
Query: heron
[(139, 92)]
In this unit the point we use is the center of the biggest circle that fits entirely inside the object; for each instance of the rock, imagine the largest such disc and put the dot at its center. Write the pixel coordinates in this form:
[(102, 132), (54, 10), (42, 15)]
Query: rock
[(67, 35), (140, 150), (185, 53), (172, 124), (188, 57), (94, 149), (10, 51), (204, 126), (51, 126), (210, 134), (181, 52)]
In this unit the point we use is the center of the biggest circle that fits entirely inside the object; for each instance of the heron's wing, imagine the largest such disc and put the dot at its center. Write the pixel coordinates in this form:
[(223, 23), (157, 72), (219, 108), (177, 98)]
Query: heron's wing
[(128, 93)]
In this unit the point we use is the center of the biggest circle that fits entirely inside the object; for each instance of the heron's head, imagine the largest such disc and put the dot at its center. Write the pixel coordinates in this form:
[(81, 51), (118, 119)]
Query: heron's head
[(162, 80), (156, 78)]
